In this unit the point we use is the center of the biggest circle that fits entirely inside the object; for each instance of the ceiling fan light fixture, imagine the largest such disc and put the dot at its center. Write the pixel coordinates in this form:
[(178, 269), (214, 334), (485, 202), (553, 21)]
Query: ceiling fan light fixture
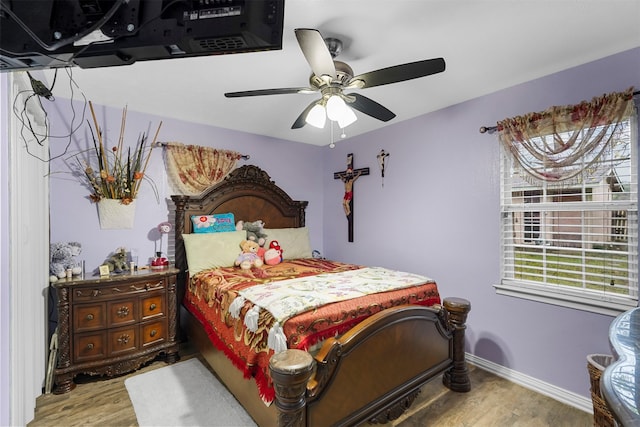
[(347, 118), (317, 116), (336, 107), (339, 111)]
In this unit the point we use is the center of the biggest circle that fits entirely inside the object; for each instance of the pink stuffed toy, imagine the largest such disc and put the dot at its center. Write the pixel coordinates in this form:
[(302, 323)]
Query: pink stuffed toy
[(275, 245), (272, 257)]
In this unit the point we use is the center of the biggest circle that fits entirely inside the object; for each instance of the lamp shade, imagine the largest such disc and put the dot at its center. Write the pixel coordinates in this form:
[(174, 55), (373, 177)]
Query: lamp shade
[(348, 117), (316, 116), (335, 107)]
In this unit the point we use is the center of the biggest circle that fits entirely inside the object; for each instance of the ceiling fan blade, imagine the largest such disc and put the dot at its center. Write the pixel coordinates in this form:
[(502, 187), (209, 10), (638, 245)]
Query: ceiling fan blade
[(370, 107), (316, 52), (260, 92), (398, 73), (302, 118)]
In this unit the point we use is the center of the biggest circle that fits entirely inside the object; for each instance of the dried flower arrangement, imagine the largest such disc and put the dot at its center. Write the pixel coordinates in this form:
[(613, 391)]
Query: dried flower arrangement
[(119, 174)]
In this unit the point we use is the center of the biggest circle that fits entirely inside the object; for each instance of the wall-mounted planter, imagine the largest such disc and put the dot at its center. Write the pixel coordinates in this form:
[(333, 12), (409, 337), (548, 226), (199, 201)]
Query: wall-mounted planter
[(114, 215)]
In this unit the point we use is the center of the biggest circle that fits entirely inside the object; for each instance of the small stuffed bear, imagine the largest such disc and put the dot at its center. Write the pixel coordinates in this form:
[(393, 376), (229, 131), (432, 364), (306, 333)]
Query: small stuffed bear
[(117, 262), (249, 255), (254, 231), (62, 256)]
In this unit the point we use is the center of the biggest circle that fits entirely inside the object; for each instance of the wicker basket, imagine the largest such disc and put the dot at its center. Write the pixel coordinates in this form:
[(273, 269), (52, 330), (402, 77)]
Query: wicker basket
[(596, 364)]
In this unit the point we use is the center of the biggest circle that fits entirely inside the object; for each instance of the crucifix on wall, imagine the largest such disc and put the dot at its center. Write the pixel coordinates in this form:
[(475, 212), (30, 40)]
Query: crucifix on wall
[(348, 177)]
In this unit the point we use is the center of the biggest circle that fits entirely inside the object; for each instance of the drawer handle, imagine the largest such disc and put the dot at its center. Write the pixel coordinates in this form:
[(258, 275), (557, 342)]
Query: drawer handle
[(89, 316), (152, 306), (148, 286), (153, 333), (123, 311), (123, 339), (90, 346)]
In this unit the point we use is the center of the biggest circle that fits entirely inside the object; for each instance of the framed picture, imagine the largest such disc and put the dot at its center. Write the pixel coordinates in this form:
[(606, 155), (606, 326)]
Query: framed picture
[(104, 270)]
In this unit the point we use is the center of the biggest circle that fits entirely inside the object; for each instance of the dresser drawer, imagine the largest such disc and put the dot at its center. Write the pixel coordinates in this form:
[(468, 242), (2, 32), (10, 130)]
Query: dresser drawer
[(89, 317), (123, 340), (122, 312), (89, 346), (154, 332), (153, 306), (109, 291), (147, 285)]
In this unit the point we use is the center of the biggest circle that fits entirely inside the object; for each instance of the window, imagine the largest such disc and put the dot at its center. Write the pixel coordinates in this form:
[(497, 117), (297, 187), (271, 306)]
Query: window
[(574, 242)]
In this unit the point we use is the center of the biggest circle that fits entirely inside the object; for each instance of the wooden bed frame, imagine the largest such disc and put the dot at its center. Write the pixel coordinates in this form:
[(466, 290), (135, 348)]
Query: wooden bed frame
[(371, 373)]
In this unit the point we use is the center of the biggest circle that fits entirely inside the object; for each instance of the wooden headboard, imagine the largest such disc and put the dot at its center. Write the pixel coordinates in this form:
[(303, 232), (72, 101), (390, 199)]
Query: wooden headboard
[(249, 194)]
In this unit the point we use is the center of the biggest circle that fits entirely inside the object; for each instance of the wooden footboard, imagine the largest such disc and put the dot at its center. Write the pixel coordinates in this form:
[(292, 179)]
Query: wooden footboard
[(372, 373), (375, 371)]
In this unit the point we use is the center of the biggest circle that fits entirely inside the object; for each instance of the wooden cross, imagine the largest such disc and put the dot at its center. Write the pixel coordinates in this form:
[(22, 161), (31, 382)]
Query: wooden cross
[(349, 176)]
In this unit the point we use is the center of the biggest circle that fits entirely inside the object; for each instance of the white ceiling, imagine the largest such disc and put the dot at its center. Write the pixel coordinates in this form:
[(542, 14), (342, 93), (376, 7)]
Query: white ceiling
[(487, 45)]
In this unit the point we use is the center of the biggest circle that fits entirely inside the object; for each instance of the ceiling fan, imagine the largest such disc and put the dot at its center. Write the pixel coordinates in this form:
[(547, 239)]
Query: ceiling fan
[(331, 78)]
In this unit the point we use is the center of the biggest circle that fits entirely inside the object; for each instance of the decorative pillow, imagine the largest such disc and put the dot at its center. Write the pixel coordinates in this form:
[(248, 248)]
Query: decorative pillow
[(215, 223), (293, 241), (211, 250)]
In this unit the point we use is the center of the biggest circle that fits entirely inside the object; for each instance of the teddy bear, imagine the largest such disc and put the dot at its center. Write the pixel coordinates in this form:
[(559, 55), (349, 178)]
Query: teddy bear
[(62, 256), (117, 261), (249, 256), (254, 231)]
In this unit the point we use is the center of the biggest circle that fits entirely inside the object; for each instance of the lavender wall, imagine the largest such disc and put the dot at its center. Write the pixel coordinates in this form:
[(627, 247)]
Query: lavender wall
[(438, 214), (74, 218)]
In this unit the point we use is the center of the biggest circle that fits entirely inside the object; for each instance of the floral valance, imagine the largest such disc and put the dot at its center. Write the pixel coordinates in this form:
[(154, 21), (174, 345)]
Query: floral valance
[(192, 168), (557, 144)]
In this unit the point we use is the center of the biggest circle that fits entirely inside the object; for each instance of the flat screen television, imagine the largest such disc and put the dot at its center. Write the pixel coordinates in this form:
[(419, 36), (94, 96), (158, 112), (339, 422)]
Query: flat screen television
[(39, 34)]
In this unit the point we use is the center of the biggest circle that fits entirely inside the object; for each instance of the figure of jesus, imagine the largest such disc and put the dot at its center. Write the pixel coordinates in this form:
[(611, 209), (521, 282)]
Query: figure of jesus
[(348, 178)]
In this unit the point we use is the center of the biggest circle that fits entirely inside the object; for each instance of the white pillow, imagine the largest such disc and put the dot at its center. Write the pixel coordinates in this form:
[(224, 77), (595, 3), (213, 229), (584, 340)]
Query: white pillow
[(294, 242), (210, 250)]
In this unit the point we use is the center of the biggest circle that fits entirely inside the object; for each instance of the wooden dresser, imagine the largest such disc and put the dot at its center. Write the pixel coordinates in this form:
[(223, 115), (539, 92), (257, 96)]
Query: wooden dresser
[(113, 325)]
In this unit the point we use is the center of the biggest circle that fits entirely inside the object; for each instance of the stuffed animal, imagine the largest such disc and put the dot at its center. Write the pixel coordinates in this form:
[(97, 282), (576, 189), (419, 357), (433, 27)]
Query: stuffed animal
[(117, 261), (249, 256), (272, 257), (254, 231), (62, 256), (275, 245)]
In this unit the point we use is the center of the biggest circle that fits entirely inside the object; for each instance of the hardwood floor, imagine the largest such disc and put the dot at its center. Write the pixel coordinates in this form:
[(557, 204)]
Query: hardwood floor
[(492, 401)]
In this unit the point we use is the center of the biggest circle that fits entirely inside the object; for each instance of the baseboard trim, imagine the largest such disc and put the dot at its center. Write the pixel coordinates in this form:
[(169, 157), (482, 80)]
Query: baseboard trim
[(565, 396)]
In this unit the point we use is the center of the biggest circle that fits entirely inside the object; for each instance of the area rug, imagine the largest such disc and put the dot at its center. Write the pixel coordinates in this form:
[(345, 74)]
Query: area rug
[(184, 394)]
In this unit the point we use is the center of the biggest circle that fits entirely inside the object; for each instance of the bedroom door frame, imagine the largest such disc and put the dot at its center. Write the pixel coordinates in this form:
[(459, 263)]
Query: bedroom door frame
[(24, 226)]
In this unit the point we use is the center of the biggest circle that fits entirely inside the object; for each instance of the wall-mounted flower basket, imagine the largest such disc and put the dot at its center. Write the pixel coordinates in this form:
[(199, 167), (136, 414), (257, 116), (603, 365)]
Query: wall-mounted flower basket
[(114, 215), (114, 174)]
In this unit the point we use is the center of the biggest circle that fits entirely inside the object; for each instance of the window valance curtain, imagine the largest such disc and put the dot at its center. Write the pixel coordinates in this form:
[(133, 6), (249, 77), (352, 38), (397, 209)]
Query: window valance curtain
[(192, 168), (558, 144)]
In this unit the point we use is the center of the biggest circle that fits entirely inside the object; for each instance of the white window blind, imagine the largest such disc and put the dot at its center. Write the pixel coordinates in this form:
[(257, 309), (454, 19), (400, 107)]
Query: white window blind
[(575, 241)]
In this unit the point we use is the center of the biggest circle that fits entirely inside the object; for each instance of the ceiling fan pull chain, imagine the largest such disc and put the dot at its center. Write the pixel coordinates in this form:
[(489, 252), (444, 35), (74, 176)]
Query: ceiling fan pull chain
[(332, 144)]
